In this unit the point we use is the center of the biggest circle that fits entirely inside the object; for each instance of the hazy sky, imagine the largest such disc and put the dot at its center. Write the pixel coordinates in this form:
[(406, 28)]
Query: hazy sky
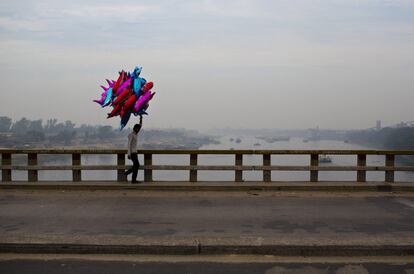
[(217, 63)]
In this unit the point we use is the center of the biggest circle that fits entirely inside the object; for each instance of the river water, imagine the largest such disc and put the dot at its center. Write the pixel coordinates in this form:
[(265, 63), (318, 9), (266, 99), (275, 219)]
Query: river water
[(247, 142)]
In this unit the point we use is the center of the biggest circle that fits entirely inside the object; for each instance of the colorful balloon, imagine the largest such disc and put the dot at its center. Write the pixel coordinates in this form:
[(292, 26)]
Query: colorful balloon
[(124, 120), (123, 86), (122, 96), (145, 98), (129, 94)]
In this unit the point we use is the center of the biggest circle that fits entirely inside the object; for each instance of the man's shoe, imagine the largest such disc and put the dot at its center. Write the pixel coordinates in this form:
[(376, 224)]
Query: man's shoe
[(136, 182)]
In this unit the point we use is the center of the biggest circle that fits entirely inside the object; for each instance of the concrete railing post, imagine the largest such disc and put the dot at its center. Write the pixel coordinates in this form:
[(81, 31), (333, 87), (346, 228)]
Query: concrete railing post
[(362, 162), (76, 161), (389, 162), (193, 172), (314, 162), (6, 160), (147, 172), (32, 161), (267, 174), (121, 171), (238, 175)]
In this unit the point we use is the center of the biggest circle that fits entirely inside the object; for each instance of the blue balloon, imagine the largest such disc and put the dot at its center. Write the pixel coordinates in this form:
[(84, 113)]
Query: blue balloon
[(137, 86), (124, 120), (108, 98), (138, 83), (136, 72)]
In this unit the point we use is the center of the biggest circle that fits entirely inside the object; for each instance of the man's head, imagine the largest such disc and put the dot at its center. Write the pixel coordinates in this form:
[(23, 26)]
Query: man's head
[(137, 128)]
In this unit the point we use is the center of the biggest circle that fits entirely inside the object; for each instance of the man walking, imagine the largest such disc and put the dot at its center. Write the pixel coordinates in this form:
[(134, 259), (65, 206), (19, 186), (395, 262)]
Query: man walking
[(132, 151)]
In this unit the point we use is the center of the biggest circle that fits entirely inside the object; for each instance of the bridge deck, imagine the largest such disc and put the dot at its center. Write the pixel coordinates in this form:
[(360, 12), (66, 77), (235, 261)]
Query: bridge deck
[(206, 222)]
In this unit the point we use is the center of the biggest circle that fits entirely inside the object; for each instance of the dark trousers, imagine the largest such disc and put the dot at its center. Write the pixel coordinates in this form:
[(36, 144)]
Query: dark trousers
[(134, 168)]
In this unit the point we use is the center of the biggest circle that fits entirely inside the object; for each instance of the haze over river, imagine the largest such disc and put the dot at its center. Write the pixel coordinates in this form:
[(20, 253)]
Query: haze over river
[(247, 142)]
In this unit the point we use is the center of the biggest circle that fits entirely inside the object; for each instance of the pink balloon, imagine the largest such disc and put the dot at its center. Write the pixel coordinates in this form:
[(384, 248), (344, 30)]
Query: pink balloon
[(142, 100)]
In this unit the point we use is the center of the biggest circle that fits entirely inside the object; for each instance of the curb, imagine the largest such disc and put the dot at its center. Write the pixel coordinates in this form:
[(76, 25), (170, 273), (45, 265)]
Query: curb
[(331, 187), (99, 249), (199, 249)]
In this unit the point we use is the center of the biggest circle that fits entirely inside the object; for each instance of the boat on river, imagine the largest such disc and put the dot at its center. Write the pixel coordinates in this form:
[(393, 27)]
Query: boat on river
[(325, 159)]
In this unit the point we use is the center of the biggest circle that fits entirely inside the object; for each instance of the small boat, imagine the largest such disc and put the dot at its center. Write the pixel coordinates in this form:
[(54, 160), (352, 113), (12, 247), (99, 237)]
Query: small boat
[(325, 159), (238, 140), (274, 139), (257, 144), (281, 139)]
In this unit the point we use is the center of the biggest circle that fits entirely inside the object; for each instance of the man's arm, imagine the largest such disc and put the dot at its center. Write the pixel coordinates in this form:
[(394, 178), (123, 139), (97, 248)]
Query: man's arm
[(140, 120)]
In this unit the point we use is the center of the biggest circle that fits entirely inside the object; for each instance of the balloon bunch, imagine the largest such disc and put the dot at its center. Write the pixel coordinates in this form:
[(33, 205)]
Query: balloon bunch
[(129, 94)]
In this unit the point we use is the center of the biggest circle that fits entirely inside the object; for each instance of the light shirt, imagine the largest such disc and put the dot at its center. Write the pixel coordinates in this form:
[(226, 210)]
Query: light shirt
[(132, 143)]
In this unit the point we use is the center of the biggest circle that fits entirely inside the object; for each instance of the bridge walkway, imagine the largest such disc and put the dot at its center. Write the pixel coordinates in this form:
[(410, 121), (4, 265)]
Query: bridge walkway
[(253, 222)]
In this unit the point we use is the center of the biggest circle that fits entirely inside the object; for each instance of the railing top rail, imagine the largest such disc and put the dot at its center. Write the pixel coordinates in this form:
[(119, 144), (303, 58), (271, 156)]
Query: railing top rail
[(204, 151)]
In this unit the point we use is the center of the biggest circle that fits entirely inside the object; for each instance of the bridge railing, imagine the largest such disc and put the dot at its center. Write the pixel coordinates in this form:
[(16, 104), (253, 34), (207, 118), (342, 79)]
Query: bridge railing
[(193, 167)]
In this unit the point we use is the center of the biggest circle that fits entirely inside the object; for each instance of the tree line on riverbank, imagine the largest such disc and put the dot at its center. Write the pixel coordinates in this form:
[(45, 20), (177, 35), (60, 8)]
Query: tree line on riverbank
[(53, 133), (388, 138)]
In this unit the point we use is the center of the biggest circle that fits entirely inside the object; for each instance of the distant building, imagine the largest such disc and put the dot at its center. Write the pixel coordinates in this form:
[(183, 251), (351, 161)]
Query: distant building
[(402, 124), (378, 125)]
